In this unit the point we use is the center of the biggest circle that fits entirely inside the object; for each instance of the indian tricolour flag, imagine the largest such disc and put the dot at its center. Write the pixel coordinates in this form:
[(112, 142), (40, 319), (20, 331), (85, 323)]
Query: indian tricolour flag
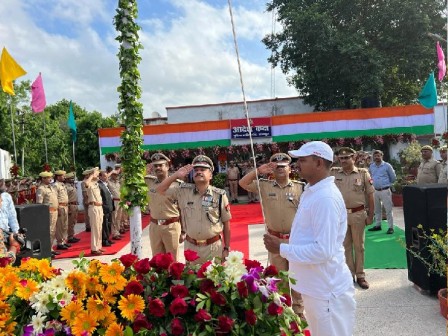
[(171, 136), (353, 123)]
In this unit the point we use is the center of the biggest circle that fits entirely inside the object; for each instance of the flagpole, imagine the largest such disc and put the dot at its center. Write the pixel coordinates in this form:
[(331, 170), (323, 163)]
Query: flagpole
[(12, 128), (74, 162), (45, 138)]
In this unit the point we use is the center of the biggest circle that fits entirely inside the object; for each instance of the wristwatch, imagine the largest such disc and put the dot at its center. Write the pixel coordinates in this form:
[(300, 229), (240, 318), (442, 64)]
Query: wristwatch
[(226, 248)]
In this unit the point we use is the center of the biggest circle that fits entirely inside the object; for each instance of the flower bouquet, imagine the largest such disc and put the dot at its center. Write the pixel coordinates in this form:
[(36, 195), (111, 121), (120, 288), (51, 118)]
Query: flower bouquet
[(146, 297)]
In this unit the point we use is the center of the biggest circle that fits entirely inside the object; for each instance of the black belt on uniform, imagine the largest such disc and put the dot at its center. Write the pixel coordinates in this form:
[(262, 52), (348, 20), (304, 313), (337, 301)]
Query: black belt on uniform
[(381, 189)]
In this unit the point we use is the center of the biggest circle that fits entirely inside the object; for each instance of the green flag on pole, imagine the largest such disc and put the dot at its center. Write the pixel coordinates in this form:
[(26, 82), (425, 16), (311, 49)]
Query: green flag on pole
[(72, 123), (428, 95)]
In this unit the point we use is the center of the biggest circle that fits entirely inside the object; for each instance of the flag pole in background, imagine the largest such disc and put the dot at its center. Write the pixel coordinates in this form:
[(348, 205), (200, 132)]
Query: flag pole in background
[(72, 126), (9, 71), (441, 65), (38, 103)]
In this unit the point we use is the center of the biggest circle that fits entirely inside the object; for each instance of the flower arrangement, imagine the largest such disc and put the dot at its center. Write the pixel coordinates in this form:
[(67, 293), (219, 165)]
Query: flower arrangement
[(146, 297)]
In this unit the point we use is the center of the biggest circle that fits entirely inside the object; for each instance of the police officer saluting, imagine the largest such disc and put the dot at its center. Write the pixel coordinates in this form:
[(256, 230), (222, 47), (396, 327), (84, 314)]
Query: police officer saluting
[(165, 229), (205, 210), (356, 187)]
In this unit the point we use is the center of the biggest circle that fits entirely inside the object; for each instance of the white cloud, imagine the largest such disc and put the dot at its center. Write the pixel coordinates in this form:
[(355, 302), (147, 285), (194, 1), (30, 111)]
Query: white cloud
[(188, 60)]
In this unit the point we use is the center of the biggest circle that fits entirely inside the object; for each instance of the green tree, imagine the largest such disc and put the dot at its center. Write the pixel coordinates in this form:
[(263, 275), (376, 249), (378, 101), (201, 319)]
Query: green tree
[(340, 52)]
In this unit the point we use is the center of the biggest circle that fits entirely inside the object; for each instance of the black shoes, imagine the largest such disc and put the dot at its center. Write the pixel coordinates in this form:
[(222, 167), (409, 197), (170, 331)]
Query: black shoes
[(106, 243), (375, 228), (61, 247), (73, 240), (390, 231)]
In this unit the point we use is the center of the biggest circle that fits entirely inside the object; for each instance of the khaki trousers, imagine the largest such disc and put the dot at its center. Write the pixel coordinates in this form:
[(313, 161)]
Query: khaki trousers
[(282, 264), (72, 219), (354, 243), (117, 214), (205, 253), (165, 239), (61, 225), (96, 225), (233, 188), (53, 221), (86, 216)]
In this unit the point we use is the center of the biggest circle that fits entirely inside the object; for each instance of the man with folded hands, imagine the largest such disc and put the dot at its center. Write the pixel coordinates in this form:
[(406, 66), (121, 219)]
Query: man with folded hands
[(165, 228), (280, 201), (205, 210), (356, 188)]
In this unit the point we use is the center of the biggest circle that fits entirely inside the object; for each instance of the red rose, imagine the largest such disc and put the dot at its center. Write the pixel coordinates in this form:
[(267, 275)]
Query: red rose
[(287, 299), (202, 316), (178, 306), (153, 261), (252, 264), (274, 310), (5, 261), (294, 327), (176, 327), (203, 268), (141, 322), (191, 255), (206, 286), (242, 289), (157, 308), (128, 259), (217, 298), (270, 271), (251, 317), (133, 287), (179, 291), (225, 324), (142, 266), (165, 261), (176, 270)]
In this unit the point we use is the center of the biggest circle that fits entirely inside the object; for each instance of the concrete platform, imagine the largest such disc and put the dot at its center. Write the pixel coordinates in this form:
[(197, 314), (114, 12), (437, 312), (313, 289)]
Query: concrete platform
[(391, 306)]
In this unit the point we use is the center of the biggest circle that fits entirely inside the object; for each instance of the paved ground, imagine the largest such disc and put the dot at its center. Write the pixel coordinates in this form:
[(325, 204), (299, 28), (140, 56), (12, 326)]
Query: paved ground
[(392, 306)]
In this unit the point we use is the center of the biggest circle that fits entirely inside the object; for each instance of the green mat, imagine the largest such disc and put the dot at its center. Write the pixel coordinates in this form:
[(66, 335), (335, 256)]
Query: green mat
[(385, 250)]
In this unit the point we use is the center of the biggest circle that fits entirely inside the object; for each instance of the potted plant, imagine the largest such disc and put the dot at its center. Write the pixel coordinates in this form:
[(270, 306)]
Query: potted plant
[(410, 158), (437, 248)]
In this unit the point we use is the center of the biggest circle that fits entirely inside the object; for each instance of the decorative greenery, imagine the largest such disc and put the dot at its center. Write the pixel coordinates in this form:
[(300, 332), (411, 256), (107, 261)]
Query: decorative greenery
[(410, 156), (146, 297), (437, 248), (219, 180), (134, 190)]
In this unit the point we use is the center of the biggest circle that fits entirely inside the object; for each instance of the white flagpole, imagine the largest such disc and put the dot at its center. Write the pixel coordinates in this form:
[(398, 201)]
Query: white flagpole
[(45, 138), (12, 128), (74, 161)]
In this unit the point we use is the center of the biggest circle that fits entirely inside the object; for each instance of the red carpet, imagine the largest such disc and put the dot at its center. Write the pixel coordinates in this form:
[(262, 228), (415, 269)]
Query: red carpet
[(84, 244), (242, 216)]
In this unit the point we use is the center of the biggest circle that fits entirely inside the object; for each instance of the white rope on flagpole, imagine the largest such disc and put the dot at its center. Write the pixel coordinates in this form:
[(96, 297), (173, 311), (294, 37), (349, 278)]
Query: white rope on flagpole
[(12, 128), (246, 111)]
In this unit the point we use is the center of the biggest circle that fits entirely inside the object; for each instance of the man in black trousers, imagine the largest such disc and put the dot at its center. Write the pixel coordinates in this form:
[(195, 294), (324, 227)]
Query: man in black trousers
[(108, 207)]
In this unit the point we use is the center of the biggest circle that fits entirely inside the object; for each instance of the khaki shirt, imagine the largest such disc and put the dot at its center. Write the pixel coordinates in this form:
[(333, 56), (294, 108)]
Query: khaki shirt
[(443, 172), (94, 193), (279, 203), (233, 173), (71, 192), (161, 206), (85, 198), (354, 187), (202, 215), (114, 187), (62, 192), (428, 171), (47, 194)]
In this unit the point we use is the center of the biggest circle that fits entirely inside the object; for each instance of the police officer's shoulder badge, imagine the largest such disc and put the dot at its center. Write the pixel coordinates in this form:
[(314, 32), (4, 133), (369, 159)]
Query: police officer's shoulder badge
[(218, 190)]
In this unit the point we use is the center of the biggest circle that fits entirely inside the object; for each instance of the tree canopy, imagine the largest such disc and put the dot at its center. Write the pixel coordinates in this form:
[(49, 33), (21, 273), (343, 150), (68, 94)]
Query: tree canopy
[(29, 133), (339, 52)]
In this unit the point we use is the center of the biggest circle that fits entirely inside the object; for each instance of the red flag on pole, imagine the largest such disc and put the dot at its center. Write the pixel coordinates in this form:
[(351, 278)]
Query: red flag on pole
[(38, 101), (441, 64)]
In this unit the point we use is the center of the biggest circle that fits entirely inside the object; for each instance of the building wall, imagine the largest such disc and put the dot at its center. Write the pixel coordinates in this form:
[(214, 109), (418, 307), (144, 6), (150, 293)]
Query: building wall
[(235, 110)]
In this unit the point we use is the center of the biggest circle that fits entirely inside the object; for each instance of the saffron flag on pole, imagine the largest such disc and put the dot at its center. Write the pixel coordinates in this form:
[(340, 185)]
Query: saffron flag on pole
[(71, 122), (9, 71), (441, 62), (428, 95), (38, 101)]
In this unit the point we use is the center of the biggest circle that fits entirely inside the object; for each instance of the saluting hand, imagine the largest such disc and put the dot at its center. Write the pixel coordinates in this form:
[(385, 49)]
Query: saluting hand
[(267, 168), (184, 171)]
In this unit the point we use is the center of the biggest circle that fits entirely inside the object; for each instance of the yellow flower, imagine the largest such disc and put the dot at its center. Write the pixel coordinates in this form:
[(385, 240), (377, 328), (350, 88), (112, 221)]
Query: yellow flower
[(45, 269), (131, 306), (108, 294), (83, 324), (70, 311), (114, 330), (110, 273), (93, 285), (76, 281), (119, 285), (9, 283), (26, 288), (94, 267), (110, 318), (97, 308)]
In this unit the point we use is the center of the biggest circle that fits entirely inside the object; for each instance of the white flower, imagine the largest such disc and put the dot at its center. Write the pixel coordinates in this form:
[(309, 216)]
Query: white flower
[(235, 257), (37, 321)]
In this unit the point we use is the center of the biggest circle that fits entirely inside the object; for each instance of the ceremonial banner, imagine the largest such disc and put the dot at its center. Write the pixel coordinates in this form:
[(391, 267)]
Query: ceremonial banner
[(428, 95), (38, 101), (9, 71), (261, 128), (72, 123)]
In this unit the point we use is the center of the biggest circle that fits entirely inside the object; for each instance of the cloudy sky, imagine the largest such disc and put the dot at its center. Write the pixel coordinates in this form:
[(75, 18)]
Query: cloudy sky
[(188, 55)]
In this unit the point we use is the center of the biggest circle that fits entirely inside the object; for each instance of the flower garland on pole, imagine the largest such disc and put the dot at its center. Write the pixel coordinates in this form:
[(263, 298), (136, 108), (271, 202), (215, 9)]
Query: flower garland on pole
[(134, 190)]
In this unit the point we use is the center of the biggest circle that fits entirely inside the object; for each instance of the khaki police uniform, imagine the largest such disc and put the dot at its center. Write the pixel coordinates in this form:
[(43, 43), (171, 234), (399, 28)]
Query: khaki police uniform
[(95, 212), (61, 225), (442, 177), (165, 227), (72, 209), (202, 217), (428, 171), (47, 194), (232, 176), (85, 203), (355, 188), (114, 187)]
